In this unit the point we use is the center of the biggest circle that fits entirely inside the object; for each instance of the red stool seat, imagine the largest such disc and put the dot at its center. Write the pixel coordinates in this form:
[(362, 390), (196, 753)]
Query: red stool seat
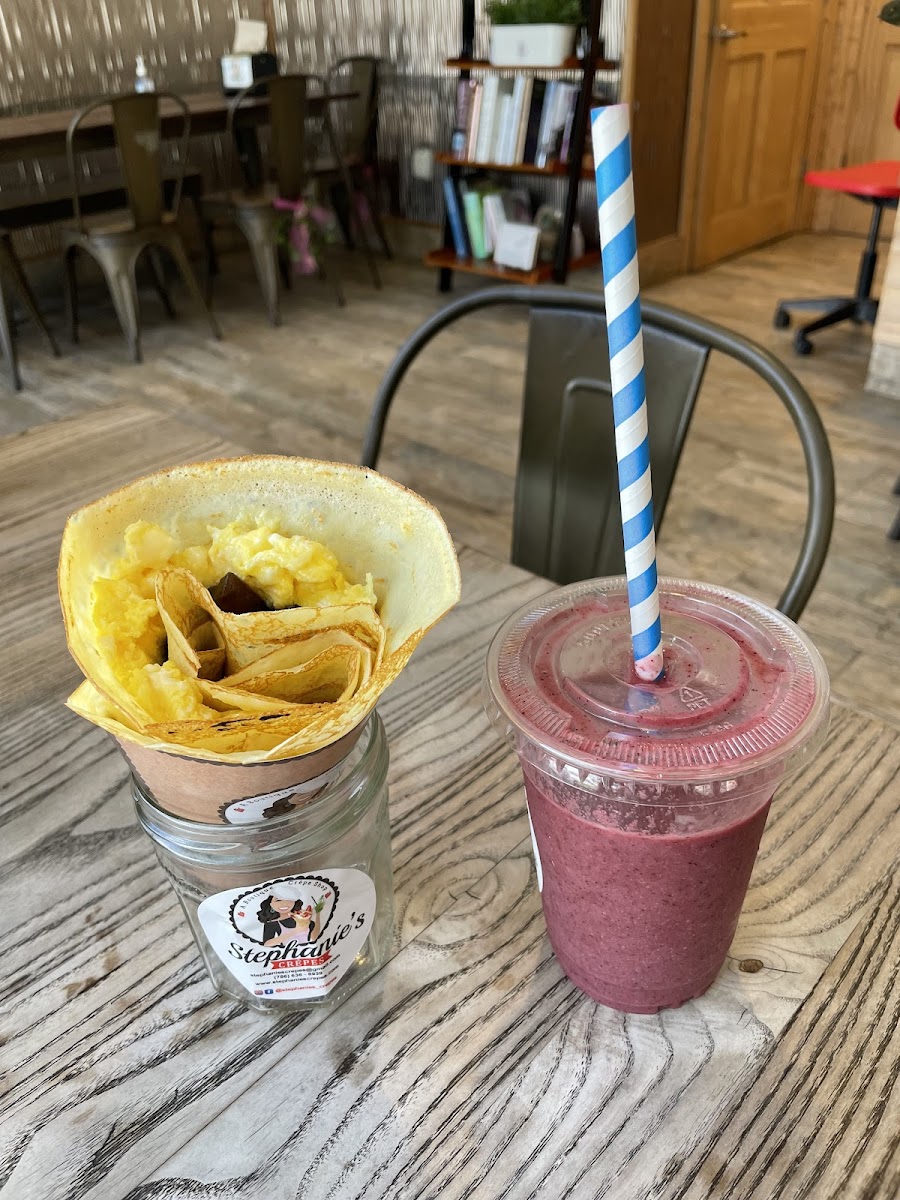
[(878, 180)]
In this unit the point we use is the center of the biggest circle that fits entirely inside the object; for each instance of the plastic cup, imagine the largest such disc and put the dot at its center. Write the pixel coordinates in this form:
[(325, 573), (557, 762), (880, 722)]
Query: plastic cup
[(647, 801)]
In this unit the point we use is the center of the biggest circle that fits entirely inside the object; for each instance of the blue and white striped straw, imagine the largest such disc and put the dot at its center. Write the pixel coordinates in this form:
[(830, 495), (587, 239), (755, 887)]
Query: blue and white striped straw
[(618, 243)]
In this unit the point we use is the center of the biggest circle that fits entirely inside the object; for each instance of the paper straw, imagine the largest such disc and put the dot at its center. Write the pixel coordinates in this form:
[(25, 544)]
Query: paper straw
[(618, 243)]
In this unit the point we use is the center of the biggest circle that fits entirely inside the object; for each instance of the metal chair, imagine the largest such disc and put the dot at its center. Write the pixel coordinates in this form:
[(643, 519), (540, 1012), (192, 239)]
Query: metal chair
[(357, 128), (878, 185), (252, 209), (11, 274), (116, 244), (566, 519)]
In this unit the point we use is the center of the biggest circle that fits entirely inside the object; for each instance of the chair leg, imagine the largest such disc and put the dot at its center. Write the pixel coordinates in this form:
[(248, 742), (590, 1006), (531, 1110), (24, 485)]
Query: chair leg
[(26, 295), (120, 280), (175, 247), (354, 213), (257, 228), (70, 288), (340, 202), (157, 270), (869, 258), (813, 303), (206, 231), (802, 343), (210, 260), (333, 275), (371, 196), (8, 344), (285, 267)]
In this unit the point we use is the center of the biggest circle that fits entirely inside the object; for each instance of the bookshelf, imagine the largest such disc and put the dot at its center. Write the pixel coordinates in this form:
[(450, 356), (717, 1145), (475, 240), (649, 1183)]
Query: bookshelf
[(449, 260), (554, 170), (446, 260), (571, 64)]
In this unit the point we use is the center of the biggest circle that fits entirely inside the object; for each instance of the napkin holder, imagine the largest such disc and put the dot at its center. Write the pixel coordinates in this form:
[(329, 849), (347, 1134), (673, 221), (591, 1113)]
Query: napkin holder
[(241, 71)]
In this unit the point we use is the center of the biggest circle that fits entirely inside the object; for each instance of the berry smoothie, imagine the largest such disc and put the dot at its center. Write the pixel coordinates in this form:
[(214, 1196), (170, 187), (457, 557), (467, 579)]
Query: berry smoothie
[(648, 801), (640, 920)]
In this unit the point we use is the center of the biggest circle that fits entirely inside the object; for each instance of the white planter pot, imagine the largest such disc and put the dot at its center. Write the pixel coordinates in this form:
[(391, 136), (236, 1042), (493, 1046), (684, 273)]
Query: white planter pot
[(531, 45)]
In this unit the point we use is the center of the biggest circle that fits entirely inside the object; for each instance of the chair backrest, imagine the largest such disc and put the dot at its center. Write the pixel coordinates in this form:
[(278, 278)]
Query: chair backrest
[(566, 520), (357, 123), (288, 164), (136, 125)]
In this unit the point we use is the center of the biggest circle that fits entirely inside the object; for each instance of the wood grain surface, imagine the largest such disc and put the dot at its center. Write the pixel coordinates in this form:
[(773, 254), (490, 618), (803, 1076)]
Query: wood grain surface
[(468, 1066)]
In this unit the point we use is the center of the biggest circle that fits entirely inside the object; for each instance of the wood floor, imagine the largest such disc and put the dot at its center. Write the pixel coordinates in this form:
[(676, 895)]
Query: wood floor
[(738, 503)]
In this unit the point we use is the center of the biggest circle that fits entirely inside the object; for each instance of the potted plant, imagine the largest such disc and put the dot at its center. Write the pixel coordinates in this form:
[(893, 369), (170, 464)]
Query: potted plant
[(532, 33)]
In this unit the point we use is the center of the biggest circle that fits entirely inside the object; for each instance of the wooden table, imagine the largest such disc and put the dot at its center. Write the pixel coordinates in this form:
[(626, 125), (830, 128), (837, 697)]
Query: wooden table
[(468, 1066), (31, 135)]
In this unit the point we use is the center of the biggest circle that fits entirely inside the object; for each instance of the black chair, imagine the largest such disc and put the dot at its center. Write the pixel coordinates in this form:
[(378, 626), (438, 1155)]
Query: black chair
[(286, 175), (356, 123), (116, 243), (13, 278), (566, 522)]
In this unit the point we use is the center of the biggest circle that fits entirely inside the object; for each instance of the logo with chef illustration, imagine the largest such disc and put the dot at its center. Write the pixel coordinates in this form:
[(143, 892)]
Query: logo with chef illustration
[(296, 909), (294, 937), (276, 804)]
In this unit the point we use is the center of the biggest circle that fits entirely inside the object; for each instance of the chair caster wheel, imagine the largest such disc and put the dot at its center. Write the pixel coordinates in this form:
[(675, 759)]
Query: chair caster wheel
[(802, 345), (782, 318)]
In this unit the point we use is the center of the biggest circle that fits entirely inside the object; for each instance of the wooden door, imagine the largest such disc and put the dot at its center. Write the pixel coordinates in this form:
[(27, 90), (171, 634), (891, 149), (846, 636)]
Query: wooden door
[(759, 82)]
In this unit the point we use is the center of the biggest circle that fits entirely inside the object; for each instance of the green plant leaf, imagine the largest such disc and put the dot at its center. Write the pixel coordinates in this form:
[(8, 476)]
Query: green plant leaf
[(534, 12)]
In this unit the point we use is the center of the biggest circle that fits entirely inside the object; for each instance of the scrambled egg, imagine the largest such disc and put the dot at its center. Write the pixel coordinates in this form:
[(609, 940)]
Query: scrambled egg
[(287, 570)]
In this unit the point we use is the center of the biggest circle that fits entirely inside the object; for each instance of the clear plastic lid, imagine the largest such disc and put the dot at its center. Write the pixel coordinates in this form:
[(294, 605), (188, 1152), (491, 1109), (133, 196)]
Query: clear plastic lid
[(742, 689)]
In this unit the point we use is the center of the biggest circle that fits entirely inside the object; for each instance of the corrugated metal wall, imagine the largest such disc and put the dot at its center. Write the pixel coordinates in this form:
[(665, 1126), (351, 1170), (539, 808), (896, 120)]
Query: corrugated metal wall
[(68, 51)]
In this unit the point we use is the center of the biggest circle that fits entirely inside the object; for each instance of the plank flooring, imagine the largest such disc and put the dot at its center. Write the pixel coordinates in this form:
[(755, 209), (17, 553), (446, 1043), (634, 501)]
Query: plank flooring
[(738, 502)]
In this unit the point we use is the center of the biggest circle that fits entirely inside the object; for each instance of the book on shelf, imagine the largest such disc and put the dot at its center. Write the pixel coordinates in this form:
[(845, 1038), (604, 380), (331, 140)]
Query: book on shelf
[(465, 89), (568, 129), (487, 119), (522, 115), (467, 93), (547, 107), (509, 136), (474, 120), (558, 102), (504, 105), (533, 123), (494, 217), (474, 215), (455, 218)]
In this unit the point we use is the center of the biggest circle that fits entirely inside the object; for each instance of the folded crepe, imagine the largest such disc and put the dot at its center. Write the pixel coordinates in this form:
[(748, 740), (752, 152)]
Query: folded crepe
[(267, 684)]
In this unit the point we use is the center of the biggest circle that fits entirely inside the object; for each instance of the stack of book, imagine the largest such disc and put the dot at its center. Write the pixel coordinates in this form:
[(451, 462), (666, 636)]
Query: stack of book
[(477, 213), (512, 121)]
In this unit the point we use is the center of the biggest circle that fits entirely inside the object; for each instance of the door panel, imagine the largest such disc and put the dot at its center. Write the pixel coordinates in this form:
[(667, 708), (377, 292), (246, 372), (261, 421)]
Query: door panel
[(733, 175), (785, 129), (757, 107)]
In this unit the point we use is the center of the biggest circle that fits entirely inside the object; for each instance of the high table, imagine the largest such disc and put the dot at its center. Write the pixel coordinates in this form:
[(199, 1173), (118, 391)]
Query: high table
[(31, 135), (468, 1066)]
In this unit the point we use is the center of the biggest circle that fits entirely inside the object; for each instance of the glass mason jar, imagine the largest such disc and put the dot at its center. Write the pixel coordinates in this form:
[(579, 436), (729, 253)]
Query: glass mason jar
[(296, 910)]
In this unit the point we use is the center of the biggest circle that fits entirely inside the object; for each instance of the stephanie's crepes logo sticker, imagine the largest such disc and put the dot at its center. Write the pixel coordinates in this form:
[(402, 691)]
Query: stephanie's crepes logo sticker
[(292, 937), (294, 909)]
